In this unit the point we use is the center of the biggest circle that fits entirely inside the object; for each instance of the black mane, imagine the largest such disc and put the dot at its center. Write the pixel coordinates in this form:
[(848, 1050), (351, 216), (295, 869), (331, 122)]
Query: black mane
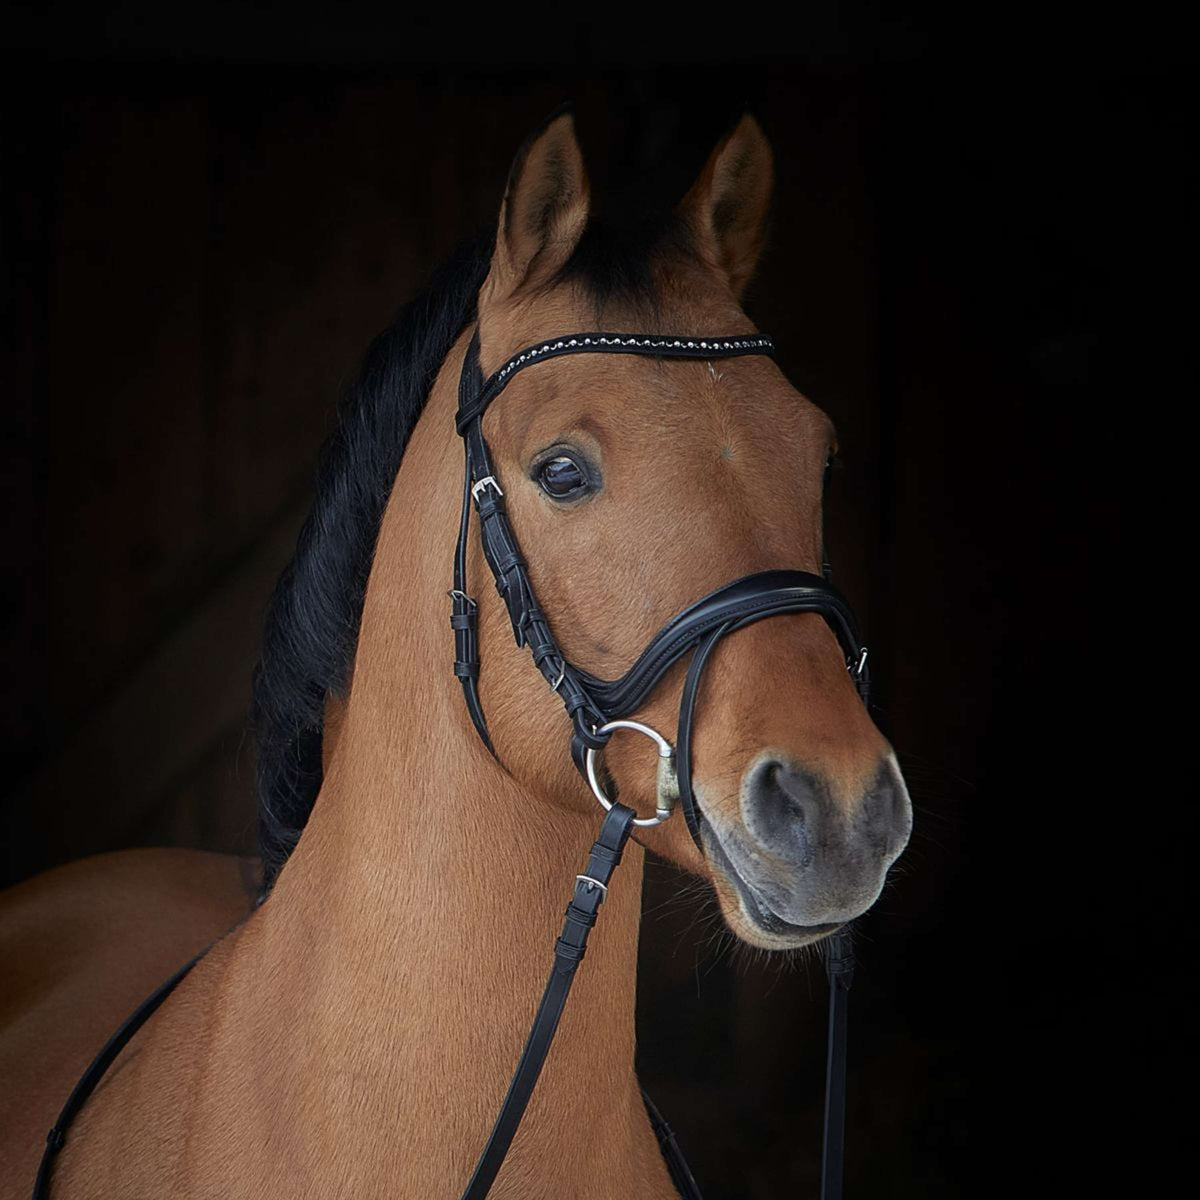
[(312, 622), (313, 619)]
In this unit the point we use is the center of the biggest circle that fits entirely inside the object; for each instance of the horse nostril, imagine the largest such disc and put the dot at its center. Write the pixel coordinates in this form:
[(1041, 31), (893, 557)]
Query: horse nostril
[(782, 806), (886, 812), (793, 812)]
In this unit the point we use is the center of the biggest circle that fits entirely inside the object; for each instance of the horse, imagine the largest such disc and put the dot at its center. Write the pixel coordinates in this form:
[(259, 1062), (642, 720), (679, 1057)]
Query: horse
[(364, 991)]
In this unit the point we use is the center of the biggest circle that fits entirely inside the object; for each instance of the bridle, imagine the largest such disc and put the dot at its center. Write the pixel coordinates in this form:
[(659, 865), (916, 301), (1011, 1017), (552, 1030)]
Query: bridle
[(592, 703), (597, 709)]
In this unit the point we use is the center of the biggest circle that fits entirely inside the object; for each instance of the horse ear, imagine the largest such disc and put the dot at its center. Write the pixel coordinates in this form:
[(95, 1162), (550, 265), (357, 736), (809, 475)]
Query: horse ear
[(726, 208), (544, 212)]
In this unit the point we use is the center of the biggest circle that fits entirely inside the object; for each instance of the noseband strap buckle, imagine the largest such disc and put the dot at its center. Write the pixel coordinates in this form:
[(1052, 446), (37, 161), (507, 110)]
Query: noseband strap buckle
[(856, 668)]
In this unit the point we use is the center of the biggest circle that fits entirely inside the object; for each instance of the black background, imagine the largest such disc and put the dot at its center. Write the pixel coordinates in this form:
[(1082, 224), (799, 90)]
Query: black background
[(208, 212)]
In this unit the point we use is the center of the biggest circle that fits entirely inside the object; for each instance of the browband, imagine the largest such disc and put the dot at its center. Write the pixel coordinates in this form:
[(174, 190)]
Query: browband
[(649, 344)]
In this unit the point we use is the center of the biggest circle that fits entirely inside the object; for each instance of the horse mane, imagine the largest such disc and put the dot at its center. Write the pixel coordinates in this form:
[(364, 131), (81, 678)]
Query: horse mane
[(311, 629), (312, 622)]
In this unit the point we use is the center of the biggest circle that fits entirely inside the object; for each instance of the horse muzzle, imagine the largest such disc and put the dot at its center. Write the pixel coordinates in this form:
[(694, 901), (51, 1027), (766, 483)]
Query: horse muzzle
[(798, 859)]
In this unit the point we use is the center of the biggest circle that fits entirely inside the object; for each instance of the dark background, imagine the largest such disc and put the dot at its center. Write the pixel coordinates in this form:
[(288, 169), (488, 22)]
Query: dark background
[(208, 212)]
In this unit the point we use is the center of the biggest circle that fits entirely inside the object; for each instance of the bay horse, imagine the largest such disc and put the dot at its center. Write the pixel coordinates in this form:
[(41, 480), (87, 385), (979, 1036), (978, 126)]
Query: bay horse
[(354, 1023)]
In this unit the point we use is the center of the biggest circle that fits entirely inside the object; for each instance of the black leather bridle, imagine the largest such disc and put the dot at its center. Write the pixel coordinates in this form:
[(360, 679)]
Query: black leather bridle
[(596, 708)]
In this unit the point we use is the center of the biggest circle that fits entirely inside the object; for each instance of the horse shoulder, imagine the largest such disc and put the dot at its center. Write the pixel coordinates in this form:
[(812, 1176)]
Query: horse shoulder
[(80, 947)]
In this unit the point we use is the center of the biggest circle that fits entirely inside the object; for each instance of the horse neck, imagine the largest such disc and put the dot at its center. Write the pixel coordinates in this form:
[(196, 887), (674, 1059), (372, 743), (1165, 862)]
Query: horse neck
[(410, 934)]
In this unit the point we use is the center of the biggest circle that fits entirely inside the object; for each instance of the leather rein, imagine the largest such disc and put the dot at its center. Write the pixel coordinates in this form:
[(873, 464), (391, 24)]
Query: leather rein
[(597, 709)]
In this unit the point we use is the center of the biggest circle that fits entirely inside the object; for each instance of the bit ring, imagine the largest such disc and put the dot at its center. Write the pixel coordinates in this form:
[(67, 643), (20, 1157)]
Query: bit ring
[(668, 780)]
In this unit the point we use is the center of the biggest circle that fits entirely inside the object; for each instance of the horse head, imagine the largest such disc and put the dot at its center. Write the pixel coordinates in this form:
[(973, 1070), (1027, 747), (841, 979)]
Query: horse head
[(635, 486)]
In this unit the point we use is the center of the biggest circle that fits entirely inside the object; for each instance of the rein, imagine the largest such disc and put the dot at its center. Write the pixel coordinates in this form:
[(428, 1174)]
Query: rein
[(597, 709)]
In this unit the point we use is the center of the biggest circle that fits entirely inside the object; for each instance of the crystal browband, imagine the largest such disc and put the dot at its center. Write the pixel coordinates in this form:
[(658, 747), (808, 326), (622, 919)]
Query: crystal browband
[(666, 345)]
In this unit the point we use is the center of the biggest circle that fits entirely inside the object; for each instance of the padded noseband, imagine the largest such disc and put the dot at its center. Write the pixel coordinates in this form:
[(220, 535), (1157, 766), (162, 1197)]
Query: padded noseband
[(745, 600)]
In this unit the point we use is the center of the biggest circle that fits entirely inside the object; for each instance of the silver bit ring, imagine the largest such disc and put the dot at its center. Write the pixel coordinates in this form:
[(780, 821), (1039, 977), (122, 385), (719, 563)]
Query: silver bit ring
[(668, 779)]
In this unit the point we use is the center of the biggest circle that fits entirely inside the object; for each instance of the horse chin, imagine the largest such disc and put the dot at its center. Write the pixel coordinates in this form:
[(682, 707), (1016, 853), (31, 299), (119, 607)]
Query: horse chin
[(747, 913)]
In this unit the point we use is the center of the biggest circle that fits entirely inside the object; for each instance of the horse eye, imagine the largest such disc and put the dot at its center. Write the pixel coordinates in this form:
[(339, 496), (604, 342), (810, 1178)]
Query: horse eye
[(562, 478)]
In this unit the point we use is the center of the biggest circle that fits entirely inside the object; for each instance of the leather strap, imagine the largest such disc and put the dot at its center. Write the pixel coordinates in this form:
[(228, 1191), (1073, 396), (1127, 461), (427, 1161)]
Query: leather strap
[(683, 746), (569, 949), (677, 1168), (57, 1136), (730, 608), (839, 965), (677, 1165), (649, 345), (742, 602), (464, 612)]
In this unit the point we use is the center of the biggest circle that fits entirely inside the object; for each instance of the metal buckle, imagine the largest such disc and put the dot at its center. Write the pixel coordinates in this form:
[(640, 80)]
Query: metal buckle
[(668, 779), (856, 669), (476, 488)]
